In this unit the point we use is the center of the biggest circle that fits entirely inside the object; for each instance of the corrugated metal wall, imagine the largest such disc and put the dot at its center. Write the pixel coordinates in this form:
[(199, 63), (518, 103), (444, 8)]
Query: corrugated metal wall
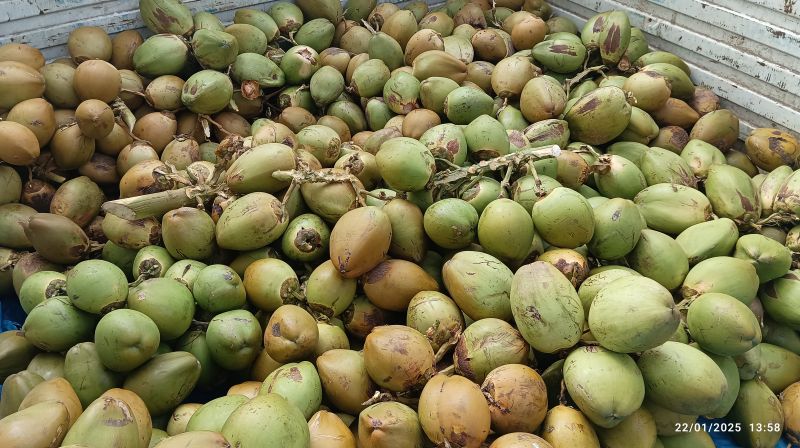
[(45, 24), (748, 51)]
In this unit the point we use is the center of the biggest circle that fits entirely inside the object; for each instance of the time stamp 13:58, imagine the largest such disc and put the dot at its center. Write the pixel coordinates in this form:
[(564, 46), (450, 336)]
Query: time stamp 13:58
[(727, 427)]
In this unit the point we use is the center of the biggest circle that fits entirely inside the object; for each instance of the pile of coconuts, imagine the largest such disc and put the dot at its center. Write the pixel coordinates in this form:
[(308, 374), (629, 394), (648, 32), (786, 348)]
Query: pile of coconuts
[(371, 225)]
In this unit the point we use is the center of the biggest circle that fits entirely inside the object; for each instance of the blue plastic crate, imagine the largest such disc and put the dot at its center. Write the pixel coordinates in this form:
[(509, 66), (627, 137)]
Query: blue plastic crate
[(11, 314), (11, 317)]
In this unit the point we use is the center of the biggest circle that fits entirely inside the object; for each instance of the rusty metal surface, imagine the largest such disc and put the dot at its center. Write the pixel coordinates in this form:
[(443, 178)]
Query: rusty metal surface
[(747, 51)]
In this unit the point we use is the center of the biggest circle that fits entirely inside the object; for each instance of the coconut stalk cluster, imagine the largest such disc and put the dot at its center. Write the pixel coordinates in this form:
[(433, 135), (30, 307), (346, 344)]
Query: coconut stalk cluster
[(374, 225)]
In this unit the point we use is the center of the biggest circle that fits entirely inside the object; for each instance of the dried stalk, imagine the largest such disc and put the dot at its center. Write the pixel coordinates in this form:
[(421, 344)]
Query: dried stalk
[(305, 175), (194, 192), (448, 183)]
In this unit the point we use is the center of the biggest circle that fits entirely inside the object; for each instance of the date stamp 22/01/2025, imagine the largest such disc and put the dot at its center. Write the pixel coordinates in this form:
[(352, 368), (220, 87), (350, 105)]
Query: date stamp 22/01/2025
[(729, 427)]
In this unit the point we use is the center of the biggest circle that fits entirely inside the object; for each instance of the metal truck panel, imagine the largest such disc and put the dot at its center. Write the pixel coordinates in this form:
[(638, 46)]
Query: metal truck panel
[(747, 51)]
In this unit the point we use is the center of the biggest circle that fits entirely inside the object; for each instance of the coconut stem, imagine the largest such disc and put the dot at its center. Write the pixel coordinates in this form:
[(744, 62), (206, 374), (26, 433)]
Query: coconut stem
[(373, 195), (369, 27), (592, 151), (449, 164), (125, 113), (537, 182), (149, 269), (155, 204), (445, 348), (449, 370), (171, 176), (136, 138), (134, 92), (306, 176), (684, 304), (383, 396), (448, 182), (52, 176), (505, 184), (295, 294), (589, 51), (475, 180), (287, 196), (377, 397), (505, 104), (777, 218), (493, 10), (219, 126), (289, 39), (579, 77)]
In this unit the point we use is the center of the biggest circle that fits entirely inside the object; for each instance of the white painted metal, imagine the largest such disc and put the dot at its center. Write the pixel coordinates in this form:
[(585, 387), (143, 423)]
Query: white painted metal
[(791, 7), (46, 24), (740, 19), (747, 51)]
